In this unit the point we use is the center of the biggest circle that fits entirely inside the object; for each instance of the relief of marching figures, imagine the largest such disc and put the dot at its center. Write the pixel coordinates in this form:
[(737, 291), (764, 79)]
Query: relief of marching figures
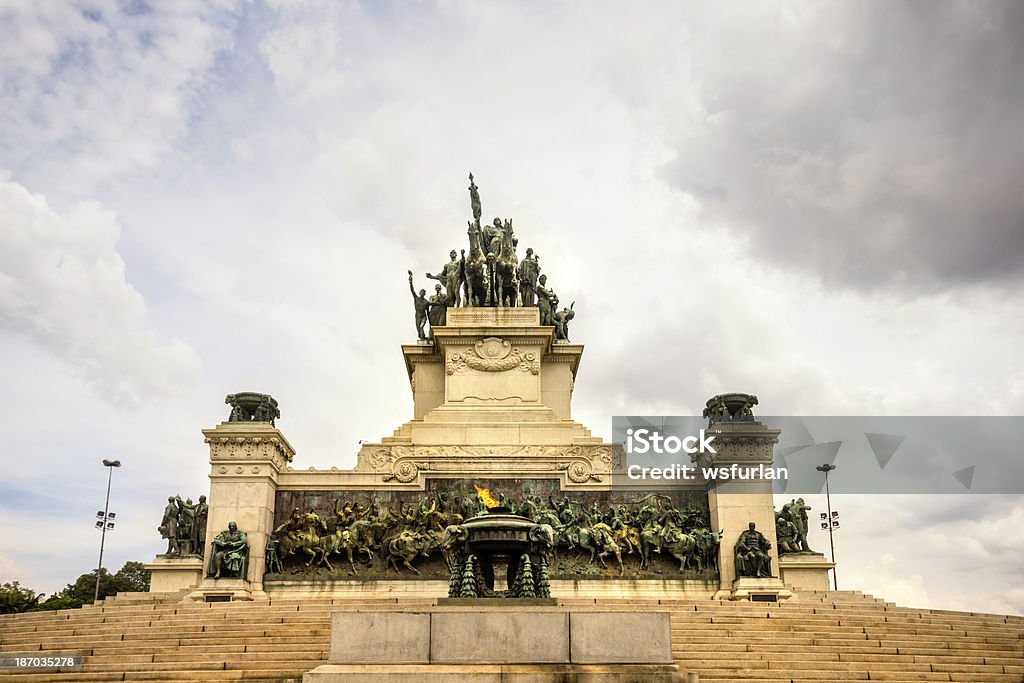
[(418, 537)]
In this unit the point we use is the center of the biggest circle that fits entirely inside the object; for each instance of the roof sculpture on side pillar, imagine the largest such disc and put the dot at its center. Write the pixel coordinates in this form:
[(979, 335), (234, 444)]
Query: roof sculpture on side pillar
[(492, 382)]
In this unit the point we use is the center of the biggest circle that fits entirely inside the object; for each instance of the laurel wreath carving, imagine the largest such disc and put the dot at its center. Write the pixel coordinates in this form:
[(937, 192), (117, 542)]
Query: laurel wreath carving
[(526, 362)]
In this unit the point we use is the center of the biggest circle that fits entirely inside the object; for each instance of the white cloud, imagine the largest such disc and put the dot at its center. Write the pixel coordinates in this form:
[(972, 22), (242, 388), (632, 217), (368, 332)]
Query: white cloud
[(62, 283), (99, 90), (276, 167)]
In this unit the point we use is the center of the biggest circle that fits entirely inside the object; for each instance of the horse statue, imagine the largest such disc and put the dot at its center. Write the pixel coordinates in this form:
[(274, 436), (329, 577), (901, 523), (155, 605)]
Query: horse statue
[(600, 541), (405, 547), (679, 545), (506, 266), (477, 280)]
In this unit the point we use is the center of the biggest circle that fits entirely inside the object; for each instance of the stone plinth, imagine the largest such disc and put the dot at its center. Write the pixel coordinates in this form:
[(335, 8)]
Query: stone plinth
[(499, 644), (380, 637), (170, 574), (499, 636), (734, 504), (224, 590), (492, 376), (497, 673), (246, 460), (594, 637), (806, 571), (770, 589)]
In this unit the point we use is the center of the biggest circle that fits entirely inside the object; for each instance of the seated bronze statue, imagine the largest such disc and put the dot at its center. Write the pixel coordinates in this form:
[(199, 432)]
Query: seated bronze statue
[(230, 554)]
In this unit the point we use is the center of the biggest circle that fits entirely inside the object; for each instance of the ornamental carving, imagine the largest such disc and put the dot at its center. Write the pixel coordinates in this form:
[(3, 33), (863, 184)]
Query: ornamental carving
[(404, 464), (248, 448), (493, 355)]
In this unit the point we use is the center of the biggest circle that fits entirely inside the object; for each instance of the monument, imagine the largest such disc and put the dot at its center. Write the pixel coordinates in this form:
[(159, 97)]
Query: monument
[(491, 494), (492, 372)]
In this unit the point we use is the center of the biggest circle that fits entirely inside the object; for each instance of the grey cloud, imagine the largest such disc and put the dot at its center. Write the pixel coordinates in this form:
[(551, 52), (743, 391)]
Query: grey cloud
[(875, 145)]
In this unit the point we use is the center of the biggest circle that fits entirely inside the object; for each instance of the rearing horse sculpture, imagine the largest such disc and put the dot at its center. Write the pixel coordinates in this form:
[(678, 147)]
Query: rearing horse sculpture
[(478, 291), (505, 267)]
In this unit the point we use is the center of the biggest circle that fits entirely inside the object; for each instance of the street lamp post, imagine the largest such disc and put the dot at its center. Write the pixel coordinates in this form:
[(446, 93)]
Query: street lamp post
[(104, 522), (826, 468)]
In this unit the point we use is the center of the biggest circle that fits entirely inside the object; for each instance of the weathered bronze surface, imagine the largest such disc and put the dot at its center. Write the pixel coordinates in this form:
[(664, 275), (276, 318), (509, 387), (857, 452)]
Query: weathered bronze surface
[(184, 526), (229, 554), (733, 407), (752, 558), (791, 527), (401, 534), (422, 306), (249, 406), (491, 275)]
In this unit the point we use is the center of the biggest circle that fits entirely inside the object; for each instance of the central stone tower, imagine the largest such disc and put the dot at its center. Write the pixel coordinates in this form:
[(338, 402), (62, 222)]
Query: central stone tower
[(492, 394)]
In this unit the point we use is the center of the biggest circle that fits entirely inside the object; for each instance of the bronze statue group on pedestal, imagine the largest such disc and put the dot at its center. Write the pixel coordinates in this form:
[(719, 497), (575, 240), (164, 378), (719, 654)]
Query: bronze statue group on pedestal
[(491, 275)]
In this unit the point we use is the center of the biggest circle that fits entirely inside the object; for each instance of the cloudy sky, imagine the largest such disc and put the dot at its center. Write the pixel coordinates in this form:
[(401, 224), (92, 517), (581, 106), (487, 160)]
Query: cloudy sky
[(816, 202)]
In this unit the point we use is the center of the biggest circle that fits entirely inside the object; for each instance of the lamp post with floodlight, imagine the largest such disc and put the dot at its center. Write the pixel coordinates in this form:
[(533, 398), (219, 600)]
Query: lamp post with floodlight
[(831, 522), (105, 521)]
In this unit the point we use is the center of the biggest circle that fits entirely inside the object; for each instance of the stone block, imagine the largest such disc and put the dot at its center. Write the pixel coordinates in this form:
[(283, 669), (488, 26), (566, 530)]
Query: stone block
[(376, 637), (172, 574), (499, 637), (620, 637), (496, 673)]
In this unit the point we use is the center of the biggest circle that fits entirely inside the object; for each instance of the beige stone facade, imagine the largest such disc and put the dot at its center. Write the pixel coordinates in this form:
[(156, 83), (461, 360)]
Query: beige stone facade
[(492, 395)]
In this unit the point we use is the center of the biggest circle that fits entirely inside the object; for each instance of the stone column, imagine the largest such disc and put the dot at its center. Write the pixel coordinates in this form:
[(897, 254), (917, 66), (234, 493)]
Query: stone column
[(736, 503), (246, 459)]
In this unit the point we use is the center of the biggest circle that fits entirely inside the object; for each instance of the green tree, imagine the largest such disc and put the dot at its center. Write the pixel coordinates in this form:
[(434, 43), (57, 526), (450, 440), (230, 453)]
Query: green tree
[(14, 598), (132, 577)]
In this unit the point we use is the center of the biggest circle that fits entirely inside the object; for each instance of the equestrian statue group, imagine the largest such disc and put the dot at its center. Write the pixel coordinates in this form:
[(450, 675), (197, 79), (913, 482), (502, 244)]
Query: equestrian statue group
[(380, 537), (490, 275)]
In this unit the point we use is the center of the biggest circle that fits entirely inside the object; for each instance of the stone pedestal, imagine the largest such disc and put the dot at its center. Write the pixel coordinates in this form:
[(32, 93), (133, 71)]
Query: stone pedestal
[(171, 573), (759, 590), (734, 504), (806, 571), (246, 461), (534, 644), (225, 590)]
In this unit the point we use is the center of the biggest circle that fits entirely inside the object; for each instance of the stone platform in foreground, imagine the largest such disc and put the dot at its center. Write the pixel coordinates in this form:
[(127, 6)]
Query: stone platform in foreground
[(815, 637)]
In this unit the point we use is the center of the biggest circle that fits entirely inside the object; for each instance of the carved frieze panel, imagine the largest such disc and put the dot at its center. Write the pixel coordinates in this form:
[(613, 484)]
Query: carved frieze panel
[(401, 534), (234, 448), (493, 355), (405, 464)]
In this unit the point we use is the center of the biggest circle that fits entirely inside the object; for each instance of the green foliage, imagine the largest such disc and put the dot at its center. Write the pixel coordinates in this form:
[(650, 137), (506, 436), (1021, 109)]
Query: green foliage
[(132, 577), (14, 598)]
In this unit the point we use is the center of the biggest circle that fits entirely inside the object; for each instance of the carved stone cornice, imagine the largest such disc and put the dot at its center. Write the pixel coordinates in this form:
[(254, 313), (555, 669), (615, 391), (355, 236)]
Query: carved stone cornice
[(243, 445), (580, 464), (744, 444)]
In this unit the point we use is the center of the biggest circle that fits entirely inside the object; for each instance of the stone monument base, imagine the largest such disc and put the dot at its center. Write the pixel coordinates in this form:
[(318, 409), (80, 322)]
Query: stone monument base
[(173, 573), (497, 673), (499, 643), (770, 589), (225, 590), (805, 571)]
